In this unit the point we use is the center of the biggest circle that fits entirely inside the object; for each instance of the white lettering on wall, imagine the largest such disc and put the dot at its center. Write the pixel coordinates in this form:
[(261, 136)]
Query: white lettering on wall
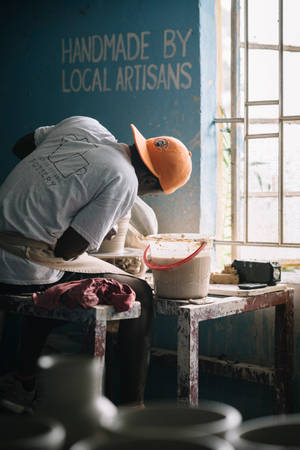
[(171, 44), (87, 62)]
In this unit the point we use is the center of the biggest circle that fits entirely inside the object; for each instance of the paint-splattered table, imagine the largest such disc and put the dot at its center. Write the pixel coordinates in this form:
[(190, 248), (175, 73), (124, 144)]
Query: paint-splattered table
[(223, 301)]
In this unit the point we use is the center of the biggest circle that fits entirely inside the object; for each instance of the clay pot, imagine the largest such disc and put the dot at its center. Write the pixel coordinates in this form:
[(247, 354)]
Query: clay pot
[(32, 433), (207, 443), (169, 421), (69, 393), (267, 433), (116, 244)]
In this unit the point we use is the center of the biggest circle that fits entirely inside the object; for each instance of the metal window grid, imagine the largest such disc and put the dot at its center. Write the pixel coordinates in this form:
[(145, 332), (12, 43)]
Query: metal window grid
[(235, 44)]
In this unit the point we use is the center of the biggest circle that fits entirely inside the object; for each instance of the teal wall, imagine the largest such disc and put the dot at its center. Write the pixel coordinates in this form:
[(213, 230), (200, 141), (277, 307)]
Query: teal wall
[(120, 62)]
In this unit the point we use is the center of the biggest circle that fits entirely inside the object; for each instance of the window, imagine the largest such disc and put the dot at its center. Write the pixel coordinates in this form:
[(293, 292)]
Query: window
[(258, 131)]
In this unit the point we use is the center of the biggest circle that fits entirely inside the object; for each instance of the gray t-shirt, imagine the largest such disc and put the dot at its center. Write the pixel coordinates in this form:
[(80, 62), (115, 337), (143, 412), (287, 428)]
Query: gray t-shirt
[(78, 176)]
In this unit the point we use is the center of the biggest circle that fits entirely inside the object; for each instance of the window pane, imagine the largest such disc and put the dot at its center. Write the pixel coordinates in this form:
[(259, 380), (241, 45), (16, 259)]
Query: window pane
[(228, 133), (269, 253), (263, 190), (225, 70), (263, 221), (291, 77), (268, 114), (242, 81), (291, 143), (263, 111), (263, 75), (263, 21), (291, 219), (291, 205), (291, 29), (241, 207), (262, 128), (263, 165)]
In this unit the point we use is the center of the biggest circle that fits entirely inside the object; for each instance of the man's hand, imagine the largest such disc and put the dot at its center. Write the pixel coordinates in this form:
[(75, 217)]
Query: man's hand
[(70, 245), (24, 146), (112, 233)]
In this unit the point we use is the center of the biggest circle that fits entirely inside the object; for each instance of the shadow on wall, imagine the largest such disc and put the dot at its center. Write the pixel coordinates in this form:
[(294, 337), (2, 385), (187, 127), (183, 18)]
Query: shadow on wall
[(293, 281)]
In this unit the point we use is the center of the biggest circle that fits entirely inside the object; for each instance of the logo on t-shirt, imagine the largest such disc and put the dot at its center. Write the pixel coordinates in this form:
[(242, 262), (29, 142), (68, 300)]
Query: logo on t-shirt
[(68, 158)]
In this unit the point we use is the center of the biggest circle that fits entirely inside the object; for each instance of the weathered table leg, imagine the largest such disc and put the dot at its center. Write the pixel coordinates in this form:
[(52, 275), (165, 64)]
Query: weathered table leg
[(96, 347), (284, 354), (187, 359)]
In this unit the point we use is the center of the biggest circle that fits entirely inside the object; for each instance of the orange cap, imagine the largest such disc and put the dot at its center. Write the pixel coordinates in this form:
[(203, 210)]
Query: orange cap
[(166, 157)]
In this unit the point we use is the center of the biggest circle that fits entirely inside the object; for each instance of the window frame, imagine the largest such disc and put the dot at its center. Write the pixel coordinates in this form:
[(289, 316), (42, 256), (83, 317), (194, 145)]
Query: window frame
[(235, 118)]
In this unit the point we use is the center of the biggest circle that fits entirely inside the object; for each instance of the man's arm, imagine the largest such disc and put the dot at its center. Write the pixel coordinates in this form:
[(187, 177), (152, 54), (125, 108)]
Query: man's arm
[(24, 146), (70, 245)]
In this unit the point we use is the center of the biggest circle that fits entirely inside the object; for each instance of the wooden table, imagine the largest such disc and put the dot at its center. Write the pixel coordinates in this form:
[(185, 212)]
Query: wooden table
[(93, 319), (223, 301)]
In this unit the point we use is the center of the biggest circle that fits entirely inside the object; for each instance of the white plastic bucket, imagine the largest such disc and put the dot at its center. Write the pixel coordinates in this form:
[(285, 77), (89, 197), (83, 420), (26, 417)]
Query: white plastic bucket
[(117, 243), (180, 263)]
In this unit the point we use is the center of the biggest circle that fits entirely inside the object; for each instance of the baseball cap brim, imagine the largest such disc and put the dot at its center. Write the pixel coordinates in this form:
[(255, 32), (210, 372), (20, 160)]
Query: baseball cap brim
[(141, 145)]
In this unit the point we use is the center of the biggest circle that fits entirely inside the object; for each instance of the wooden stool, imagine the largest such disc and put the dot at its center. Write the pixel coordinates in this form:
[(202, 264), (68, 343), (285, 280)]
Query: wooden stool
[(94, 320)]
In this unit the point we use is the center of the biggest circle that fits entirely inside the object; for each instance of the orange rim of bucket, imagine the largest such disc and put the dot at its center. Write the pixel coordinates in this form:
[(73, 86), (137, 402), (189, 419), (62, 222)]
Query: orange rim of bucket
[(172, 265)]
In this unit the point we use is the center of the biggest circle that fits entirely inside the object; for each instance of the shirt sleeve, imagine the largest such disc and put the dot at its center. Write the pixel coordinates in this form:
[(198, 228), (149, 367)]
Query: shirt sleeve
[(143, 218), (41, 133), (95, 219)]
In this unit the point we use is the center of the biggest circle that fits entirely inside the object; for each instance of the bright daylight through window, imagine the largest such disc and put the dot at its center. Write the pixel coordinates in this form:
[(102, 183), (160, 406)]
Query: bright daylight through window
[(258, 125)]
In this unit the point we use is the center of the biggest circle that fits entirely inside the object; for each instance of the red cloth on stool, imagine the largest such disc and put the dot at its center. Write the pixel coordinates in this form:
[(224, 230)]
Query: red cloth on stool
[(87, 292)]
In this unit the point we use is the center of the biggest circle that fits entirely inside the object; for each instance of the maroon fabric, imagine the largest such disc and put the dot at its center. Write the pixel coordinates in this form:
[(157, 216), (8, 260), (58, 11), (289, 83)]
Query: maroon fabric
[(86, 293)]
